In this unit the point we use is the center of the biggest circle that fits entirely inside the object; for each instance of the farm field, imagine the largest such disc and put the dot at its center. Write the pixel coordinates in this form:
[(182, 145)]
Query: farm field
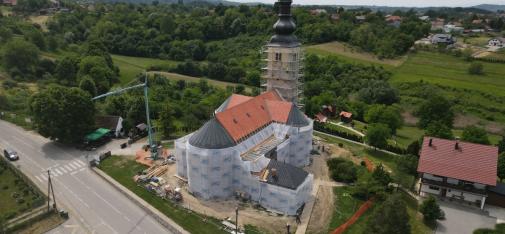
[(447, 70), (217, 83), (130, 67), (350, 54)]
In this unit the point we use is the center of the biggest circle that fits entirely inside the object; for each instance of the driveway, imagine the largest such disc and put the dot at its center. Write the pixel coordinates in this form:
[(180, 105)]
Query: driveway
[(461, 219)]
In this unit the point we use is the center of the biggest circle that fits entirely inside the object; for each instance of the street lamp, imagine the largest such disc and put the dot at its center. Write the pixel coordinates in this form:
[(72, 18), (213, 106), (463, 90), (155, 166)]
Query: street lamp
[(236, 220)]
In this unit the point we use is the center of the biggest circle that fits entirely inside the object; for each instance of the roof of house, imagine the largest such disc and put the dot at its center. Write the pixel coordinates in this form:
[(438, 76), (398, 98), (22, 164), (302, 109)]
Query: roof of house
[(345, 114), (287, 176), (107, 121), (97, 134), (469, 162), (240, 116), (321, 118), (501, 39), (393, 18)]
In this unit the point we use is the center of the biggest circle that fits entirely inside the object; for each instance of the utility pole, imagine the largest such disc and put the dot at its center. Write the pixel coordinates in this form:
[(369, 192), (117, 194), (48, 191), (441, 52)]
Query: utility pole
[(50, 190), (287, 227), (236, 220)]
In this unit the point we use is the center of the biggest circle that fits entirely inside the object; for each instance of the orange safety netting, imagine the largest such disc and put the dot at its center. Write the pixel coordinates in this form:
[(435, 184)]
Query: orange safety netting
[(362, 209)]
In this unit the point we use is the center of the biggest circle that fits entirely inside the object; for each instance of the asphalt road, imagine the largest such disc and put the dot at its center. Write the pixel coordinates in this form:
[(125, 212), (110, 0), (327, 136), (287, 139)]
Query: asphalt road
[(93, 205)]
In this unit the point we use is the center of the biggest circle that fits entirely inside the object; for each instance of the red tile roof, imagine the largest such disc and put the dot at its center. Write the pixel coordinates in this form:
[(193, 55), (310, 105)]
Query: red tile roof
[(236, 99), (345, 114), (247, 116), (321, 118), (471, 162)]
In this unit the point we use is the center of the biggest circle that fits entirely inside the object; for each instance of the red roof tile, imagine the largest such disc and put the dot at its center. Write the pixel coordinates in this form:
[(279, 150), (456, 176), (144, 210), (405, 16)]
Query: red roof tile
[(345, 114), (471, 162), (236, 99), (278, 110), (245, 118)]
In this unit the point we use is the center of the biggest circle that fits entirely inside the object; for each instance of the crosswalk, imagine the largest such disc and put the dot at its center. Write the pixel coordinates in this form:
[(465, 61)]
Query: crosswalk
[(71, 167)]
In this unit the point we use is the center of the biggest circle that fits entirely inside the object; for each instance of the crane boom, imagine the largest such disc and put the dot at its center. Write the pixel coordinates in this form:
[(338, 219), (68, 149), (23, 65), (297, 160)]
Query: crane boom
[(154, 150)]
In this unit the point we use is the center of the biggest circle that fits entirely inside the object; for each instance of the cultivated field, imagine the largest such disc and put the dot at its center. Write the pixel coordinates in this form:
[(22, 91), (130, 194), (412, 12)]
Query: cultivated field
[(450, 71), (350, 54), (130, 67)]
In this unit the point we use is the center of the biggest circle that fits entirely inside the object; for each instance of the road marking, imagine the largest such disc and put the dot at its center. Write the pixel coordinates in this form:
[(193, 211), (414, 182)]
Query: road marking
[(80, 162), (82, 169), (74, 165), (44, 177), (63, 170), (58, 171), (38, 178), (74, 172), (68, 168)]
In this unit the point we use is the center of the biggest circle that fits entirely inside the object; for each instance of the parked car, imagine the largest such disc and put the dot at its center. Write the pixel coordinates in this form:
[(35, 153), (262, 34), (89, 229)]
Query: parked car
[(11, 155)]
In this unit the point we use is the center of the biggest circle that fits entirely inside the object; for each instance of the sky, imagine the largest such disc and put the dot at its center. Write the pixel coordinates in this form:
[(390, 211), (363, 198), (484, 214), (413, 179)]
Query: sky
[(405, 3)]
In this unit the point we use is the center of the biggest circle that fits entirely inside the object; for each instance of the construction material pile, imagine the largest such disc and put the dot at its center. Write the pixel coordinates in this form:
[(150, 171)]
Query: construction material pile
[(151, 179)]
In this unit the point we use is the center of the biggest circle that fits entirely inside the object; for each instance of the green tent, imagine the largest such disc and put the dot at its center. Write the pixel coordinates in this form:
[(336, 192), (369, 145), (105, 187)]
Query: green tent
[(97, 134)]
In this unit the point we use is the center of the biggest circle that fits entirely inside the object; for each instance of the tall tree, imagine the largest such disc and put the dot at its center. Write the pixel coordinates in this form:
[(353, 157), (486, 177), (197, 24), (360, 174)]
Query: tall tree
[(87, 84), (390, 217), (501, 166), (21, 55), (476, 135), (440, 130), (66, 70), (378, 135), (436, 108), (388, 115), (501, 145), (63, 114)]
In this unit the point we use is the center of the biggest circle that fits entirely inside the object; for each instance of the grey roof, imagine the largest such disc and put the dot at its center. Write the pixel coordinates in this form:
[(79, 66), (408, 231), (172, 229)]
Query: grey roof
[(296, 118), (223, 106), (499, 188), (211, 135), (288, 176)]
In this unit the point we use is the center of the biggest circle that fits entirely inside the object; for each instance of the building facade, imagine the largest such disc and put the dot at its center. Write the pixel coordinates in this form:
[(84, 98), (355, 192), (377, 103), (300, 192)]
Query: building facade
[(253, 147), (456, 170)]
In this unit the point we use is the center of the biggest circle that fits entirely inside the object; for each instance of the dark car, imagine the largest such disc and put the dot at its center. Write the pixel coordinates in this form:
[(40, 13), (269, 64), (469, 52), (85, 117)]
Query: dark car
[(11, 154)]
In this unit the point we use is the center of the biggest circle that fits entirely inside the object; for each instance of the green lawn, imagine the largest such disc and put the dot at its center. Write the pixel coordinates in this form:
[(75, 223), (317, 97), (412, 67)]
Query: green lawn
[(450, 71), (123, 170), (346, 205), (407, 134), (16, 195), (477, 41), (217, 83), (130, 67), (352, 55)]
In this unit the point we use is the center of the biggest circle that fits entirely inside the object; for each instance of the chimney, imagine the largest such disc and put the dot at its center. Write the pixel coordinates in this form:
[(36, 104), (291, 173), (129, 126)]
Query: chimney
[(431, 142), (274, 173), (456, 146)]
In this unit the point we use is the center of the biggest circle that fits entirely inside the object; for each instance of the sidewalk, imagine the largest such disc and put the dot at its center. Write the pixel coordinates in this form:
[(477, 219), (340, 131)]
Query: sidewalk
[(340, 124)]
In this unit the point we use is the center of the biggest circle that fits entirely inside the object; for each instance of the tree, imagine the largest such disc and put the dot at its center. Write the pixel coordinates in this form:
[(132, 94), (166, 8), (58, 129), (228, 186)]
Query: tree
[(440, 130), (66, 70), (435, 108), (21, 55), (501, 145), (408, 164), (390, 217), (378, 135), (87, 84), (380, 175), (476, 135), (476, 68), (166, 120), (96, 67), (430, 210), (63, 114), (342, 170), (388, 115), (501, 166)]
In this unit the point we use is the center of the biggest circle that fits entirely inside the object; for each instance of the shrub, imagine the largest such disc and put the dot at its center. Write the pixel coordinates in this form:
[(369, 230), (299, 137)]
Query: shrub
[(476, 68), (5, 187), (342, 170), (430, 210), (20, 200)]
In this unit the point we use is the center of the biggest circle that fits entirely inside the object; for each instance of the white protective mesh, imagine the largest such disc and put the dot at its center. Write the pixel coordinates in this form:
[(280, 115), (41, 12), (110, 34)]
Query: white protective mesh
[(218, 173)]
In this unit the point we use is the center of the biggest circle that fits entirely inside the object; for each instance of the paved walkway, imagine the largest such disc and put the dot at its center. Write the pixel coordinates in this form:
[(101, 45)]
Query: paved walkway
[(307, 211), (341, 124)]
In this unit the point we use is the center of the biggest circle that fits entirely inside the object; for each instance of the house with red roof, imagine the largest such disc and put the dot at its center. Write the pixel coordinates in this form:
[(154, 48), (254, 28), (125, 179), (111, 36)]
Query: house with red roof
[(252, 146), (456, 170), (345, 116)]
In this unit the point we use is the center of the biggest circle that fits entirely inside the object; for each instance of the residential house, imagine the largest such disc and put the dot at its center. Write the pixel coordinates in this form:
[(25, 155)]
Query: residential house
[(437, 24), (317, 11), (335, 17), (394, 20), (424, 18), (112, 123), (456, 170), (497, 42), (360, 19), (443, 39), (319, 117), (10, 2), (453, 28), (345, 117)]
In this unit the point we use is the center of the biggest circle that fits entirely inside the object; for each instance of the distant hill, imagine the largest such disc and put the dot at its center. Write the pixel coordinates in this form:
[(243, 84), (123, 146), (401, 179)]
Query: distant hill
[(491, 7)]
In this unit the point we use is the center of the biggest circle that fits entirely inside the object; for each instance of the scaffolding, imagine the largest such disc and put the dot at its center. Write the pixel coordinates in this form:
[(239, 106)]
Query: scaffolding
[(282, 69)]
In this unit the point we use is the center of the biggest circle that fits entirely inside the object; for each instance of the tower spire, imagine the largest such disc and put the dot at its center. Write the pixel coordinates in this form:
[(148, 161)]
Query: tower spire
[(285, 26)]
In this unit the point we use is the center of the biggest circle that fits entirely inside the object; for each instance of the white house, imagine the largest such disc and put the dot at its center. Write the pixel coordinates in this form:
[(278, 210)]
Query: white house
[(497, 42), (456, 170)]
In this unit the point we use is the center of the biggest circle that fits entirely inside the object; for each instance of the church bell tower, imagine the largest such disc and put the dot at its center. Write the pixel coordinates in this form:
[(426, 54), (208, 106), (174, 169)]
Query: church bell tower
[(283, 56)]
